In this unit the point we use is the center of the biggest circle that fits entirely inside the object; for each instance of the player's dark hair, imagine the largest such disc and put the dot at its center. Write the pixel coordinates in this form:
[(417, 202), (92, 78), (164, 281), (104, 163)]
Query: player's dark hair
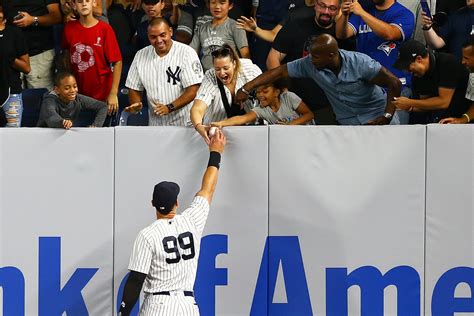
[(60, 76), (159, 20)]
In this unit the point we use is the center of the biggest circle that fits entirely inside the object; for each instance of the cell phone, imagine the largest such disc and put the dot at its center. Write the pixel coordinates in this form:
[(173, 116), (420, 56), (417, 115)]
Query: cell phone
[(426, 8), (18, 17)]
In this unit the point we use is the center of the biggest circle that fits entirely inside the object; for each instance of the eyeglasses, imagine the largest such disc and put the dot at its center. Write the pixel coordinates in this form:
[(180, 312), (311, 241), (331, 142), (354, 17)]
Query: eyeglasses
[(323, 7), (221, 52)]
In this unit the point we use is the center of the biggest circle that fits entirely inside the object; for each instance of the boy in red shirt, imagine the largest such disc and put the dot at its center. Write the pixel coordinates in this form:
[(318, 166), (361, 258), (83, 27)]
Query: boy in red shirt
[(92, 48)]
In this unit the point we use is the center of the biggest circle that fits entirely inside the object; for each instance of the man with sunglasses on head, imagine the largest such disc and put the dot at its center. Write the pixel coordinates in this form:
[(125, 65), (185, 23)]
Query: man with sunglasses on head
[(379, 31), (293, 41)]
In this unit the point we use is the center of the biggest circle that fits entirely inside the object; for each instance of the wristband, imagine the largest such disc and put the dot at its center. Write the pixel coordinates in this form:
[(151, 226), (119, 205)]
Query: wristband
[(171, 107), (467, 116), (426, 28), (197, 125), (214, 159)]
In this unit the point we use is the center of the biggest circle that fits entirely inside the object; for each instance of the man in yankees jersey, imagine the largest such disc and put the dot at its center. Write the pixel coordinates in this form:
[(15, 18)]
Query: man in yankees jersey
[(169, 71), (165, 254)]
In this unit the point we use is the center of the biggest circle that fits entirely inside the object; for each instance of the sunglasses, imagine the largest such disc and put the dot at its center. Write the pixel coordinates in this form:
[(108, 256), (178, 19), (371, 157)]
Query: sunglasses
[(221, 52)]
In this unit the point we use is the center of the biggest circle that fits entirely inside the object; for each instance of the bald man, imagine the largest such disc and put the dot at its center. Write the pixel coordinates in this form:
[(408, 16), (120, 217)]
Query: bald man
[(352, 82)]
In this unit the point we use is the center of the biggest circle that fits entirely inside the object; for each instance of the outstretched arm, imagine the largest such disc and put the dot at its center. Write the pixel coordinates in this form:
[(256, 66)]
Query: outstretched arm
[(248, 117), (209, 180), (265, 78)]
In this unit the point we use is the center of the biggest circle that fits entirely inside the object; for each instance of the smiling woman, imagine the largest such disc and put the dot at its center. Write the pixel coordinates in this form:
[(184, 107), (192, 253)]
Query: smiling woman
[(214, 99)]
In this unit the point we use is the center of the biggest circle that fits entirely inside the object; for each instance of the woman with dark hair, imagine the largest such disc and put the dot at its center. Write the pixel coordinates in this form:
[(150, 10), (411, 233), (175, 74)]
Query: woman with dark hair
[(14, 59), (214, 99)]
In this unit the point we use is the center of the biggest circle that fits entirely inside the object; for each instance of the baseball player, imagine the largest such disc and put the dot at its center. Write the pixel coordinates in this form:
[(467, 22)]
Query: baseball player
[(165, 254)]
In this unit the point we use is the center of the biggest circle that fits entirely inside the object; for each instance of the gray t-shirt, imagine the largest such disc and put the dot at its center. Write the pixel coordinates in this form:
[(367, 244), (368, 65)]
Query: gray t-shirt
[(289, 102), (54, 111), (208, 38)]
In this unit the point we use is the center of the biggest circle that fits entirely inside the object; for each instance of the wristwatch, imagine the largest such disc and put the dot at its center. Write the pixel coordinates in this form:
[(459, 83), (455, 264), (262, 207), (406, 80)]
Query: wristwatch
[(244, 91), (171, 107), (36, 21), (388, 116)]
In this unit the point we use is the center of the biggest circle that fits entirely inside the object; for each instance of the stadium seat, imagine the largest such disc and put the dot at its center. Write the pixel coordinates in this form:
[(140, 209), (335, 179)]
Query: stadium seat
[(32, 99), (139, 119)]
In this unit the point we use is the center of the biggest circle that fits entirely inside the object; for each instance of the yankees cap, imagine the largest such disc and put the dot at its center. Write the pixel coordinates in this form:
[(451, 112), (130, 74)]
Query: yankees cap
[(407, 53), (165, 195)]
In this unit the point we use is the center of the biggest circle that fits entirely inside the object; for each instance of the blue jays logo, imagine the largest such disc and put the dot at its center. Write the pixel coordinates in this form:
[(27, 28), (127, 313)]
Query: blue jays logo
[(387, 47)]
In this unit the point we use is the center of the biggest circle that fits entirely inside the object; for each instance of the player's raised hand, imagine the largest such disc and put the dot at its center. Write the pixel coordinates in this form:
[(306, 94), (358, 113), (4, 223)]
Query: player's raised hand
[(218, 141)]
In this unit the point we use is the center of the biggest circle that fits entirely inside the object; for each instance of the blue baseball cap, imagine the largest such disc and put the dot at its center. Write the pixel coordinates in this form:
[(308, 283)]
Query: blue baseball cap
[(165, 195)]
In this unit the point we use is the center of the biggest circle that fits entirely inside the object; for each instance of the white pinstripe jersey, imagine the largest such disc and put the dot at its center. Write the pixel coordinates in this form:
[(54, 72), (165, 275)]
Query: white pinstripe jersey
[(167, 251), (210, 94), (164, 79), (470, 87)]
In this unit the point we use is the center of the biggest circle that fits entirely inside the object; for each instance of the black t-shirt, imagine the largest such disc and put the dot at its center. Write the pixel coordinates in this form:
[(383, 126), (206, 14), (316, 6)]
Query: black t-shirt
[(13, 46), (38, 38), (445, 72), (294, 39)]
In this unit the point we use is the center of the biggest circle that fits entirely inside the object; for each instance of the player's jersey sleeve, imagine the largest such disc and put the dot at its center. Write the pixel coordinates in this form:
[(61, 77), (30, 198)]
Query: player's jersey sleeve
[(198, 212), (142, 254)]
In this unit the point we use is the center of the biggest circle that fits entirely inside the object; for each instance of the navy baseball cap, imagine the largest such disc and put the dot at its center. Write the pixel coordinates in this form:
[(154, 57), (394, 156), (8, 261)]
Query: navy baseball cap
[(407, 53), (165, 195)]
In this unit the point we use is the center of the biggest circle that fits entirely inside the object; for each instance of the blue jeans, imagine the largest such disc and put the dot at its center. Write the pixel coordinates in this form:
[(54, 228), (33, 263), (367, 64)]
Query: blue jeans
[(13, 110), (402, 117)]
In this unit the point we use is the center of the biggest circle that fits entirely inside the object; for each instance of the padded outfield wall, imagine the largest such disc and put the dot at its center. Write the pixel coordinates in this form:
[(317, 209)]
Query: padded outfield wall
[(309, 220)]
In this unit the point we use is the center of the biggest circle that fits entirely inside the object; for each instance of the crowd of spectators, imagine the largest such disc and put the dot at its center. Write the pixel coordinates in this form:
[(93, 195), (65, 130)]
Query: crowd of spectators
[(204, 63)]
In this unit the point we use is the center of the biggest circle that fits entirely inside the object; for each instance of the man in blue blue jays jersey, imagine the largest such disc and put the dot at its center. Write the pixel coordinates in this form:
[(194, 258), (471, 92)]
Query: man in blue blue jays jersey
[(379, 31)]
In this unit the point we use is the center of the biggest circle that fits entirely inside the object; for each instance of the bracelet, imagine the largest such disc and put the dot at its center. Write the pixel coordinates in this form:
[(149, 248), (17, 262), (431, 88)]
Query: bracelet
[(214, 159), (426, 28), (467, 116), (196, 126)]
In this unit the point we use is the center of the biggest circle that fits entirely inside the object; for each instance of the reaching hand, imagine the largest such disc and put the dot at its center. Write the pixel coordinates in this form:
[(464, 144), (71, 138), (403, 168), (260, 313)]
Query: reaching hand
[(203, 130), (454, 120), (67, 124), (403, 103), (218, 142), (381, 120), (136, 5), (244, 23), (134, 108), (25, 21)]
